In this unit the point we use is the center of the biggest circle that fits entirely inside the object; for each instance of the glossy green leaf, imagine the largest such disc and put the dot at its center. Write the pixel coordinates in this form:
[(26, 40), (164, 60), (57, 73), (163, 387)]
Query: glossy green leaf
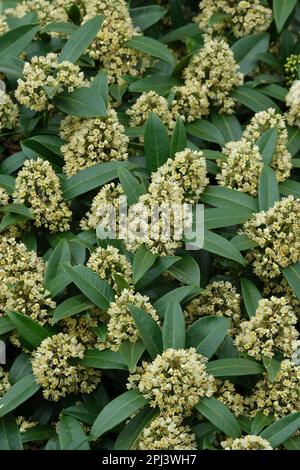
[(149, 331), (157, 143), (18, 394), (207, 334), (174, 326), (219, 415), (251, 296)]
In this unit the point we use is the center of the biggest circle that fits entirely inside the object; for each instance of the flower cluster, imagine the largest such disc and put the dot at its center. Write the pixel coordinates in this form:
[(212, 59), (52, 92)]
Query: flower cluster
[(240, 17), (276, 233), (249, 442), (166, 433), (111, 265), (46, 10), (92, 141), (9, 112), (291, 67), (270, 330), (4, 382), (227, 394), (280, 397), (22, 281), (121, 326), (38, 187), (150, 102), (220, 299), (43, 78), (293, 103), (53, 370), (175, 381)]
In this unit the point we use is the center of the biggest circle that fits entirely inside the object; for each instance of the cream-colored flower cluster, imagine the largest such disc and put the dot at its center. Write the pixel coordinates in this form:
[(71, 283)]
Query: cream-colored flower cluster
[(92, 141), (111, 265), (166, 433), (4, 382), (44, 77), (25, 424), (53, 371), (150, 102), (270, 330), (214, 73), (262, 122), (277, 234), (291, 67), (47, 11), (280, 397), (121, 326), (178, 181), (240, 17), (22, 281), (220, 299), (81, 326), (249, 442), (38, 187), (4, 197), (227, 394), (293, 103), (109, 194), (280, 288), (241, 168), (109, 46), (175, 381), (9, 112)]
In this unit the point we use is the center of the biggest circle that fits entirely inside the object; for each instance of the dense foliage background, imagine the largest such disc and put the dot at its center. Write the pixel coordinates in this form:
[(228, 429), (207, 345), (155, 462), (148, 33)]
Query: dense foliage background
[(144, 345)]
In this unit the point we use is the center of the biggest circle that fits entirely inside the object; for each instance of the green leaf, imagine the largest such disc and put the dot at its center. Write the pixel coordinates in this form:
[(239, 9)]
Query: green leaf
[(91, 178), (94, 288), (251, 296), (38, 433), (214, 243), (205, 130), (6, 325), (224, 217), (144, 17), (246, 51), (267, 144), (55, 278), (275, 91), (272, 366), (16, 40), (142, 262), (47, 147), (219, 415), (293, 443), (60, 27), (292, 275), (253, 99), (179, 294), (181, 33), (130, 433), (229, 198), (10, 437), (282, 10), (103, 360), (207, 334), (174, 327), (159, 83), (71, 431), (242, 242), (20, 367), (186, 271), (160, 266), (152, 47), (157, 143), (80, 40), (290, 187), (100, 84), (178, 140), (11, 219), (18, 209), (70, 307), (282, 429), (29, 329), (293, 144), (268, 190), (13, 163), (117, 411), (11, 66), (8, 183), (259, 422), (131, 353), (234, 367), (149, 331), (83, 102), (131, 185), (228, 125), (18, 394)]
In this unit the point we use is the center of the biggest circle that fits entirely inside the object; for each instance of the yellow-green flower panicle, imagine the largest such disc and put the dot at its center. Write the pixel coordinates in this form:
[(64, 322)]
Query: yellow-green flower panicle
[(9, 112), (47, 72), (22, 281), (280, 288), (280, 397), (227, 394), (92, 141), (166, 433), (241, 168), (220, 299), (262, 122), (150, 102), (121, 326), (110, 264), (47, 11), (4, 197), (4, 382), (277, 234), (291, 67), (175, 381), (51, 366), (293, 103), (38, 187), (190, 101), (81, 326), (270, 330), (249, 442)]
